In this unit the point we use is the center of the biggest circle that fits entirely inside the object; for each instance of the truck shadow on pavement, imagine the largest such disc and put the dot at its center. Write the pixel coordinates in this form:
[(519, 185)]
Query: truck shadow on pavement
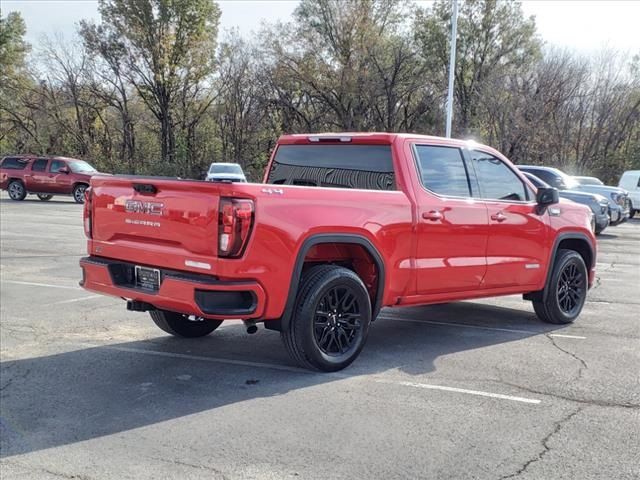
[(95, 391)]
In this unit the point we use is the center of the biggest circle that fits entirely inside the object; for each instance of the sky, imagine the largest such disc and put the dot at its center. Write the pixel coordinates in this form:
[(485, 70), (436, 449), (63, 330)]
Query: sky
[(584, 25)]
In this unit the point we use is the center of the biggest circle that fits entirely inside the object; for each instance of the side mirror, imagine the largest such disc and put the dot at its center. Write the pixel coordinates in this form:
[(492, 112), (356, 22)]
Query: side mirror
[(63, 170), (547, 196)]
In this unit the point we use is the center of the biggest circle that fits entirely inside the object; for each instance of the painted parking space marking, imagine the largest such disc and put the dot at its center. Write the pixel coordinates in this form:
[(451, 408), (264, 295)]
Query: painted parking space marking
[(74, 300), (36, 284), (480, 327), (336, 375), (428, 386)]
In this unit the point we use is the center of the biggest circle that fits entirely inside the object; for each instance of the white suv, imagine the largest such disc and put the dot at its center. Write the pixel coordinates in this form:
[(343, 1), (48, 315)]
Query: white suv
[(630, 181)]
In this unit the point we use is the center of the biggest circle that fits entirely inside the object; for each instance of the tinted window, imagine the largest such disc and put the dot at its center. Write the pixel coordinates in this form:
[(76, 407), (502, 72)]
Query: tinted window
[(13, 163), (343, 166), (497, 181), (225, 168), (39, 165), (56, 165), (80, 166), (536, 181), (544, 175), (442, 170)]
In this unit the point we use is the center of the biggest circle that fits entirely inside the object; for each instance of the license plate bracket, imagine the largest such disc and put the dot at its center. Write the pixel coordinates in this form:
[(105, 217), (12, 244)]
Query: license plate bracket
[(147, 278)]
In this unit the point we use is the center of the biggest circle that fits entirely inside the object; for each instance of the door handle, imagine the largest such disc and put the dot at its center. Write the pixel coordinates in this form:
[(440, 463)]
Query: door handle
[(433, 215), (498, 217)]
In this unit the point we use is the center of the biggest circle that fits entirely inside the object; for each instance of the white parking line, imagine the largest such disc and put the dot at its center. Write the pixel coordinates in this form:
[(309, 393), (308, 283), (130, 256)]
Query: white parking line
[(340, 376), (479, 393), (479, 327), (74, 300), (35, 284)]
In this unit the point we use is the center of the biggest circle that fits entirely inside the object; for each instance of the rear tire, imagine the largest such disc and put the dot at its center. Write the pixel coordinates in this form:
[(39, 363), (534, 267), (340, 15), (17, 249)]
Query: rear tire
[(181, 325), (632, 212), (78, 192), (330, 321), (45, 197), (16, 190), (565, 294)]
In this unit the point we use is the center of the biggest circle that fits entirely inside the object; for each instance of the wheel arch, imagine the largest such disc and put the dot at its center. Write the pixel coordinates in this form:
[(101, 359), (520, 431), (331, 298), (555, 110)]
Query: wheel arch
[(576, 241), (336, 239)]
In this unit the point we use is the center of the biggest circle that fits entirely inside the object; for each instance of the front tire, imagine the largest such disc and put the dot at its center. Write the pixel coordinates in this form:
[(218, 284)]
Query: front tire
[(44, 197), (16, 190), (179, 325), (331, 319), (566, 292), (78, 192)]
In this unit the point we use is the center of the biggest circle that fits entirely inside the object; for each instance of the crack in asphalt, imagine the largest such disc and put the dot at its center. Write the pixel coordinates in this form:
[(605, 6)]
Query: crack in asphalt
[(583, 364), (9, 382), (589, 402), (192, 465), (69, 476), (545, 445)]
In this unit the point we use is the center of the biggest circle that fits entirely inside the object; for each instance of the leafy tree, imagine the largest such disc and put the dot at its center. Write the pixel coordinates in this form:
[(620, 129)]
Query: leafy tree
[(494, 40), (169, 47)]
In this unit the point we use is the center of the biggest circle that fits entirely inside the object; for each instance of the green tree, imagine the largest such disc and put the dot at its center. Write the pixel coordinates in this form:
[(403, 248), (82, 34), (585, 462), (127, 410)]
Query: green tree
[(169, 47), (494, 40)]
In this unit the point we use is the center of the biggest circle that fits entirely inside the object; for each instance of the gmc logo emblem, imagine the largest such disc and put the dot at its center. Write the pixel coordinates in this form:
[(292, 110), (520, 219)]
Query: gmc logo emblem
[(137, 206)]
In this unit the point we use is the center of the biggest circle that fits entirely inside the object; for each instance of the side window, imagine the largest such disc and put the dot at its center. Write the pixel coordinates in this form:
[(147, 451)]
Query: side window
[(443, 171), (13, 163), (547, 177), (39, 165), (497, 181), (56, 165)]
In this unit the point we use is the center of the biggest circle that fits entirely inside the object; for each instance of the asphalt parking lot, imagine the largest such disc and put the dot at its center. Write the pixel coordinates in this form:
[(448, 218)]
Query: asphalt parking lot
[(467, 390)]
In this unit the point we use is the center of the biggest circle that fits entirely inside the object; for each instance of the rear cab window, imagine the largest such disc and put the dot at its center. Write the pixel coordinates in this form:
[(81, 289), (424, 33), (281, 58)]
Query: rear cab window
[(14, 163), (368, 167)]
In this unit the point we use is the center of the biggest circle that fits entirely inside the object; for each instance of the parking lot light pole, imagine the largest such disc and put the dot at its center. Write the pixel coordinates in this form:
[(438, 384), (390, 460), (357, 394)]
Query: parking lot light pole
[(452, 67)]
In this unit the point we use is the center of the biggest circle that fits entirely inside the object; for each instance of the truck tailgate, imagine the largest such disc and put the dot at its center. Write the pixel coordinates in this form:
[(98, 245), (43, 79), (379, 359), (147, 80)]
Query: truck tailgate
[(167, 223)]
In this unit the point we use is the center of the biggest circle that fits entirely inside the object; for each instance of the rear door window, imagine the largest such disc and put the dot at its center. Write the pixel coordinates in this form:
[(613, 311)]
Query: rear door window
[(39, 165), (367, 167), (443, 170), (497, 181), (14, 163)]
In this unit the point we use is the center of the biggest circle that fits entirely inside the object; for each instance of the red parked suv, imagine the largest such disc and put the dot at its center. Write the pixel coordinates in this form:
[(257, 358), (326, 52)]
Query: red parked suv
[(45, 176), (343, 225)]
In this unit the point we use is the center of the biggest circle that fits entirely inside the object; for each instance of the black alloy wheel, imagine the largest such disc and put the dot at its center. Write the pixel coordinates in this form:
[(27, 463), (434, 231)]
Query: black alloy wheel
[(337, 323), (571, 289), (566, 291)]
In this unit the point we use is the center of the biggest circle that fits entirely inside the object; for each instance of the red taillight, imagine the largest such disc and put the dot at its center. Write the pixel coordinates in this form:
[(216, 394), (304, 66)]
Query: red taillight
[(234, 226), (88, 223)]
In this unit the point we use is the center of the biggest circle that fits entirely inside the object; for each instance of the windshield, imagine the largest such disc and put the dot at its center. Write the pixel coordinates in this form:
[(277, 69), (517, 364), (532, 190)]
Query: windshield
[(80, 166), (569, 182), (588, 181), (225, 168)]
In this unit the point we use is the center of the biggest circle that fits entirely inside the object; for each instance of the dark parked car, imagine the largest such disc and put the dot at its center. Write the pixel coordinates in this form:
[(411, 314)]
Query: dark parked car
[(617, 197), (45, 177), (598, 204)]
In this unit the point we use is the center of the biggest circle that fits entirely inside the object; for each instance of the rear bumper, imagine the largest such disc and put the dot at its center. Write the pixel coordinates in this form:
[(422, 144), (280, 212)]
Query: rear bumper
[(192, 294)]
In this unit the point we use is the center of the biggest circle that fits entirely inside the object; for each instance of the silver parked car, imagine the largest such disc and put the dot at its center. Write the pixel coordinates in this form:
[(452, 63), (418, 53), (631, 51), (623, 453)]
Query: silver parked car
[(225, 172), (617, 197), (598, 204)]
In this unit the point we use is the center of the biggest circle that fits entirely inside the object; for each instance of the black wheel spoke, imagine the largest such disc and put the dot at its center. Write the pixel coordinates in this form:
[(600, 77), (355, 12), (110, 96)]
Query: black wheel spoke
[(337, 321), (570, 292)]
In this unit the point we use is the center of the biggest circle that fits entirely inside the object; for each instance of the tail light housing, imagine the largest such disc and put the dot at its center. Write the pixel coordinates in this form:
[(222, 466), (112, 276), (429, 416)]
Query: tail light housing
[(86, 214), (235, 221)]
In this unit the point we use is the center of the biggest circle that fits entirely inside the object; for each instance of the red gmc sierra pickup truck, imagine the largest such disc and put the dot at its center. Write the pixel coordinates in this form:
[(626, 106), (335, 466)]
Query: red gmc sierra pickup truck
[(343, 225)]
